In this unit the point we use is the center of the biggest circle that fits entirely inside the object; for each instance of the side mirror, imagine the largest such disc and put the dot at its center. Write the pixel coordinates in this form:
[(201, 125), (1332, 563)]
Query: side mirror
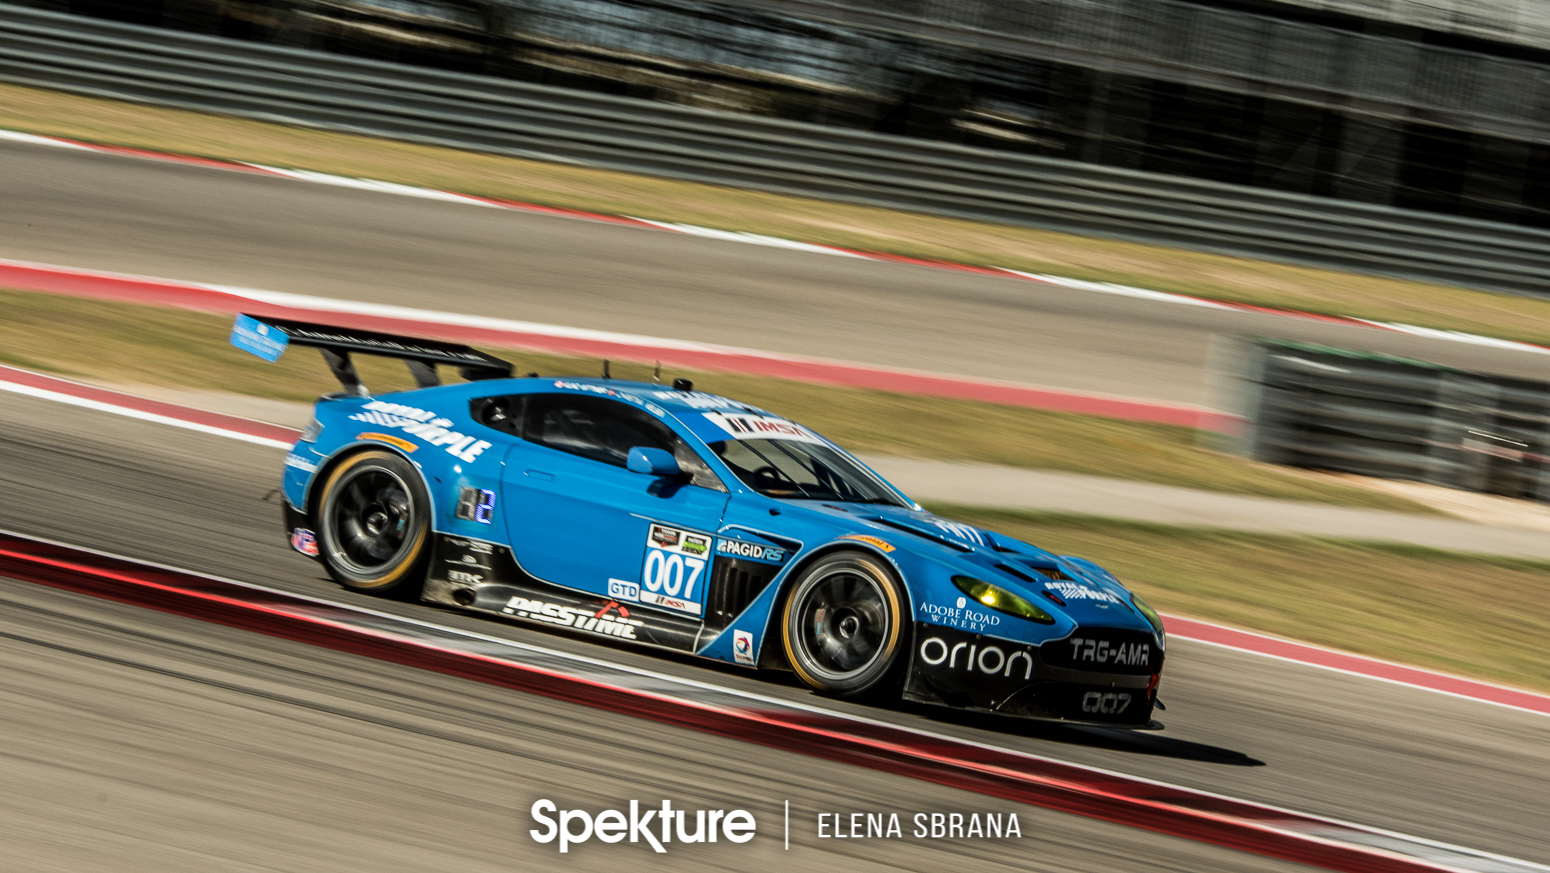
[(655, 462)]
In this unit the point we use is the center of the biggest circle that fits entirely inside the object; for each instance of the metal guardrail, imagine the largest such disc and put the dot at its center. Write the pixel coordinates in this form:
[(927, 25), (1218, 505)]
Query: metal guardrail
[(1398, 419), (487, 114)]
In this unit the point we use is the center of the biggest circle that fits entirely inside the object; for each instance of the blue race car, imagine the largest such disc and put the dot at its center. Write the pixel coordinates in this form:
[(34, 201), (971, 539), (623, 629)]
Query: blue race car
[(669, 517)]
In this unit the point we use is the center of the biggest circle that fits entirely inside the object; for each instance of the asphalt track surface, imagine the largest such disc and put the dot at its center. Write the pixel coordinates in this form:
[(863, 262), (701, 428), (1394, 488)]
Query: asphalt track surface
[(115, 213), (136, 735)]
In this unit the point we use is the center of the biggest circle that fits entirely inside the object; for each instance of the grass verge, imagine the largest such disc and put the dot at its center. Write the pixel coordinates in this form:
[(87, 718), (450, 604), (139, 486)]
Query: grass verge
[(1165, 269), (1466, 614), (127, 343)]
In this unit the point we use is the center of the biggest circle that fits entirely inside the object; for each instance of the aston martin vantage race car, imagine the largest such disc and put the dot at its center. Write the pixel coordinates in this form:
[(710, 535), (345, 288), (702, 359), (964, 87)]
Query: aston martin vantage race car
[(667, 517)]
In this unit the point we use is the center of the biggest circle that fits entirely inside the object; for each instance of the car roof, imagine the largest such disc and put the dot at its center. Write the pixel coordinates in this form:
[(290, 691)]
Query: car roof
[(664, 396), (702, 413)]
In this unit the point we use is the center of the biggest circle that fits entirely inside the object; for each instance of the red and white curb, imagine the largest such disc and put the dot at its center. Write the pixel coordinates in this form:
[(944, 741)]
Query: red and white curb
[(558, 339), (32, 384), (1337, 661), (748, 717), (777, 242)]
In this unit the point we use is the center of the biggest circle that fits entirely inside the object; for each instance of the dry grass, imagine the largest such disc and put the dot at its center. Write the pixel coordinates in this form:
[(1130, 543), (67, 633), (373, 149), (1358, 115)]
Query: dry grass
[(1214, 276), (1461, 613)]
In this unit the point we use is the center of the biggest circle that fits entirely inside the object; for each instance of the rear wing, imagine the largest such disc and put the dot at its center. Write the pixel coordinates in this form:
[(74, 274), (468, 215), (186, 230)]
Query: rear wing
[(268, 338)]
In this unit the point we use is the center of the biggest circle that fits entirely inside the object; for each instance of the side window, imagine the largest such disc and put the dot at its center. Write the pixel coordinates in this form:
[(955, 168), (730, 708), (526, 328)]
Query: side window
[(605, 430)]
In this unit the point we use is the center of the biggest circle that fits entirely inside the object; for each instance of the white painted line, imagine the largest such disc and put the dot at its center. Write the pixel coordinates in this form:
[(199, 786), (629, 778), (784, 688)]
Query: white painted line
[(1458, 336), (99, 406), (33, 139), (750, 238), (1122, 290), (371, 185)]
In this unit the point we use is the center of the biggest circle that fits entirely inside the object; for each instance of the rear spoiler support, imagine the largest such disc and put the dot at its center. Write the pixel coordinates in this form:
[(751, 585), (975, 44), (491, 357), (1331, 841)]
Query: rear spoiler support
[(268, 338)]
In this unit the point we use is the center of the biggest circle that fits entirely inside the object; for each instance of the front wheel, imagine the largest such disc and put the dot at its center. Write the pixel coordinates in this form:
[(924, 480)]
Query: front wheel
[(844, 626), (374, 521)]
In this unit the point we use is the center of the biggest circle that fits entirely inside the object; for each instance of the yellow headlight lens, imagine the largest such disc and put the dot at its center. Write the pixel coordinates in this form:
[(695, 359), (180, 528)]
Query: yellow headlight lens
[(1001, 600), (1146, 610)]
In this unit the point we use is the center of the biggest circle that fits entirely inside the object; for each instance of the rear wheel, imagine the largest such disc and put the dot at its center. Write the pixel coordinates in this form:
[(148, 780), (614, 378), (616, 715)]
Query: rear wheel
[(844, 626), (374, 521)]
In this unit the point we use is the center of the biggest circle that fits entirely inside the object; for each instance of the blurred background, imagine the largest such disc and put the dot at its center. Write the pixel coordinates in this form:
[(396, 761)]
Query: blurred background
[(1431, 106)]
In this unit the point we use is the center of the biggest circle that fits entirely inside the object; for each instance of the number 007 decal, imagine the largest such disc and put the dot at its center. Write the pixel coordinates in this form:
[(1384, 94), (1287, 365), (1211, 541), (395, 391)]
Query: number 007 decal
[(675, 563)]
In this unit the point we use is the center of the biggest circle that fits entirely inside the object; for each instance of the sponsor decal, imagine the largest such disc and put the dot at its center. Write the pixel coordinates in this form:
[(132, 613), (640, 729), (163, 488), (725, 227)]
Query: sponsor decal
[(1087, 649), (421, 424), (571, 827), (620, 589), (603, 391), (989, 660), (394, 441), (304, 541), (742, 647), (462, 577), (961, 616), (670, 577), (252, 335), (755, 551), (761, 427), (870, 540), (482, 548), (699, 400), (590, 389), (667, 601), (962, 532), (300, 463), (600, 622), (1078, 591)]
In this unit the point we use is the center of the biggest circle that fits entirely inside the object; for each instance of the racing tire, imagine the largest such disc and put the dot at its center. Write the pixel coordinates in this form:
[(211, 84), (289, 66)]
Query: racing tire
[(845, 626), (374, 524)]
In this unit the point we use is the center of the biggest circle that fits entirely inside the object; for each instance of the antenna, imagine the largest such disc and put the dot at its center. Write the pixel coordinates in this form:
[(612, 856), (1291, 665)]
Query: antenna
[(656, 375), (605, 369)]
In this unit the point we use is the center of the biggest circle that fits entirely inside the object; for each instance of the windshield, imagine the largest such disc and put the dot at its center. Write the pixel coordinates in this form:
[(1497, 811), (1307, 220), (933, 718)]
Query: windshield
[(802, 470)]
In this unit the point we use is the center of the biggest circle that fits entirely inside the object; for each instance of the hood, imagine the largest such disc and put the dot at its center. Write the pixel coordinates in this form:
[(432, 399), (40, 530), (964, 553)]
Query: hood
[(1071, 587)]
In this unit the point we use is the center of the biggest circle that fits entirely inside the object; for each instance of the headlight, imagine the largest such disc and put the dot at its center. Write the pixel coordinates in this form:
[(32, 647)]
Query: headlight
[(1001, 600), (1146, 610), (313, 430)]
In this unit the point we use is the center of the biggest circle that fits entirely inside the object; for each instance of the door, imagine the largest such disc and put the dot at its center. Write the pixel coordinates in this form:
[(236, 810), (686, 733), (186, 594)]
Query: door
[(577, 517)]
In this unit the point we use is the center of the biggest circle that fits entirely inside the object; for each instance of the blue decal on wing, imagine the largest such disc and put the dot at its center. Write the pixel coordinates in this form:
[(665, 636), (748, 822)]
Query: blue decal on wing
[(252, 335)]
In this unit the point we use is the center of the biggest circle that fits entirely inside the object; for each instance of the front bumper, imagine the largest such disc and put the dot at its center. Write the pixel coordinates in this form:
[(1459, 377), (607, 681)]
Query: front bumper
[(1097, 676)]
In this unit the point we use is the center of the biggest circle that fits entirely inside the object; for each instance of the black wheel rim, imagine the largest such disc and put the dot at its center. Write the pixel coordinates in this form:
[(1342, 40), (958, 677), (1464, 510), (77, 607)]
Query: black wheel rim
[(842, 624), (371, 521)]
